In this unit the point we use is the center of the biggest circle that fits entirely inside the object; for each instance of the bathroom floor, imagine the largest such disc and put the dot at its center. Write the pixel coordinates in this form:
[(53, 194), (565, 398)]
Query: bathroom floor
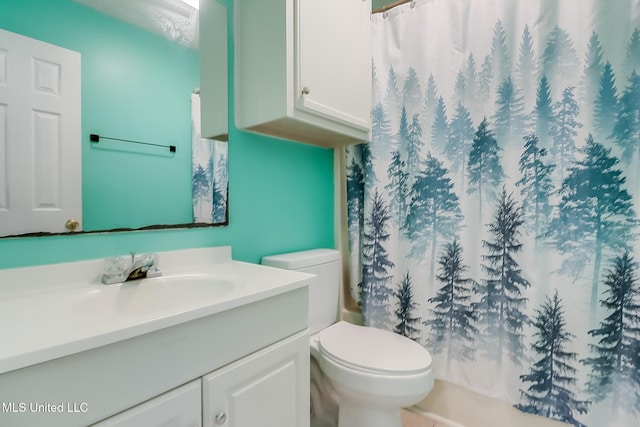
[(409, 419), (414, 419)]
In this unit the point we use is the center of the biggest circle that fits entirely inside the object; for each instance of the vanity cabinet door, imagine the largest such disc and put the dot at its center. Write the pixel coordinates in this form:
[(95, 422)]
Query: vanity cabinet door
[(269, 388), (181, 407)]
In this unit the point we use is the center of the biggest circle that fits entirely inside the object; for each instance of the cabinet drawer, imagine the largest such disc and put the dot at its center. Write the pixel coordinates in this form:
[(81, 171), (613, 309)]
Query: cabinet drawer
[(180, 407)]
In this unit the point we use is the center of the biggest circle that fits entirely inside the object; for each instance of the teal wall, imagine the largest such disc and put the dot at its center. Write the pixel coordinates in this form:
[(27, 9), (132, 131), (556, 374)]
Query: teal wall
[(280, 193), (377, 4)]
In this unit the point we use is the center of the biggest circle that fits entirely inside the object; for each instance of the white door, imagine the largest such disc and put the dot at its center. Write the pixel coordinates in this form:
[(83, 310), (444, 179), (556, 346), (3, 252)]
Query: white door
[(40, 135), (334, 59), (267, 389), (180, 407)]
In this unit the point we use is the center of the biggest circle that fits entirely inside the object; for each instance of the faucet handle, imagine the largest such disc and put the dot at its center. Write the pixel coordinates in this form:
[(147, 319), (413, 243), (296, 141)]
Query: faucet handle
[(116, 265), (114, 269)]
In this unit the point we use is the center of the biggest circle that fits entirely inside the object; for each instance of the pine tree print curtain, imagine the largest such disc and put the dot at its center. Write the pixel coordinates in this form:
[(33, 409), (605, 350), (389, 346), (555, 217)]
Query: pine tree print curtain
[(209, 173), (493, 218)]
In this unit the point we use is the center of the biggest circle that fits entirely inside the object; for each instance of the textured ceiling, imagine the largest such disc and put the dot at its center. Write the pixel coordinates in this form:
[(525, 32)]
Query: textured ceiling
[(172, 19)]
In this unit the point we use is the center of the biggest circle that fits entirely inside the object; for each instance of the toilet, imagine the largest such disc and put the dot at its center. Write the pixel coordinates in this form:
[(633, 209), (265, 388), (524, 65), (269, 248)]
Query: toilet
[(374, 372)]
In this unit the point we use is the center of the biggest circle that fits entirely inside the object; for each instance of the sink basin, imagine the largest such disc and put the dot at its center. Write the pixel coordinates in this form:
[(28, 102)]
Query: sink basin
[(148, 296)]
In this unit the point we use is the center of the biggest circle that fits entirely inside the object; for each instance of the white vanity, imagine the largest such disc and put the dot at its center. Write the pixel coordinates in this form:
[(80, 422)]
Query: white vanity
[(211, 342)]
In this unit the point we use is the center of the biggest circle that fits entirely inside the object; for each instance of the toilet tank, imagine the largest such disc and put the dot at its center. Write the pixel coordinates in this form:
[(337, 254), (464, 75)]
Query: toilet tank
[(324, 291)]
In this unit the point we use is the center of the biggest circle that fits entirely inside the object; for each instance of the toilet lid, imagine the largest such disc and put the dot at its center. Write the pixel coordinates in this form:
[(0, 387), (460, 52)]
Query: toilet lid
[(374, 350)]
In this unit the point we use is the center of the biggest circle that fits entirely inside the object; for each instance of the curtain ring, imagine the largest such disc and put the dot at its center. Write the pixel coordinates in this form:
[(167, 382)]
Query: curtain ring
[(412, 4), (385, 12)]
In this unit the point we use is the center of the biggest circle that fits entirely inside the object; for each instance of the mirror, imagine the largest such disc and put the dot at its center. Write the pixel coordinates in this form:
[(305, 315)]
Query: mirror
[(137, 83)]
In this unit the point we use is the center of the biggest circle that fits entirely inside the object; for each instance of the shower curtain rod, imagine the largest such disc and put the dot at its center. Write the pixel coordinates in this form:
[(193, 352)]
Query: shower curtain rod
[(391, 6)]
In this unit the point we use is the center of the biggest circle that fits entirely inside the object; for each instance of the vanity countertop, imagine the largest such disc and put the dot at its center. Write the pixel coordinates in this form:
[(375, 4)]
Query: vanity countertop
[(52, 311)]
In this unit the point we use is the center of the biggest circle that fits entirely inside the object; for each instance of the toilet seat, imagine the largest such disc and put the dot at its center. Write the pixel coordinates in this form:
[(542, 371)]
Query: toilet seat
[(371, 350)]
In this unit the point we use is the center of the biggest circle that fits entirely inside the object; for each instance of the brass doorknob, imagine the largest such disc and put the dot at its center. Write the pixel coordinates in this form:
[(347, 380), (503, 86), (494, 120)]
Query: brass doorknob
[(72, 224)]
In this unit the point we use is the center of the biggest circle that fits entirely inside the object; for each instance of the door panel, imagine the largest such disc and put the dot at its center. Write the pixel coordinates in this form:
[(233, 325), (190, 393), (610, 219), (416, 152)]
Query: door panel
[(46, 157)]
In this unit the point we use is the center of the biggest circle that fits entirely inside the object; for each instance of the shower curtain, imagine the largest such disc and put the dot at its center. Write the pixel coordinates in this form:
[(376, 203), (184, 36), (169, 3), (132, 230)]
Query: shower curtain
[(493, 218), (209, 173)]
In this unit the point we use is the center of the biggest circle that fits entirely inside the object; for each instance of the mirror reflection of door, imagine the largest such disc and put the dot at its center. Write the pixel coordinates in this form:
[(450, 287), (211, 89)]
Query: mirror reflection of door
[(136, 82), (40, 162)]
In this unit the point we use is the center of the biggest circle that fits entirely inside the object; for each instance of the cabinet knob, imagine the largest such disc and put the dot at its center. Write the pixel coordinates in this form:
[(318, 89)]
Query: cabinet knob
[(221, 418), (305, 90)]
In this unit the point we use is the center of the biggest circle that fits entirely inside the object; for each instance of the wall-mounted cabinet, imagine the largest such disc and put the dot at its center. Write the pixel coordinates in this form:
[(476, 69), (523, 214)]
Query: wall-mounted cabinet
[(214, 81), (303, 69)]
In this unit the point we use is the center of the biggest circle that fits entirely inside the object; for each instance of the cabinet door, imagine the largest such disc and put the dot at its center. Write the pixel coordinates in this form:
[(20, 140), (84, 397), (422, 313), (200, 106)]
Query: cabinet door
[(214, 82), (269, 388), (334, 59), (181, 407)]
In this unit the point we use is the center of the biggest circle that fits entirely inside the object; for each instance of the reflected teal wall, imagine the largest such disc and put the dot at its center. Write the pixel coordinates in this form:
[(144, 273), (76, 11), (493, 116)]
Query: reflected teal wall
[(377, 4), (135, 85), (281, 193)]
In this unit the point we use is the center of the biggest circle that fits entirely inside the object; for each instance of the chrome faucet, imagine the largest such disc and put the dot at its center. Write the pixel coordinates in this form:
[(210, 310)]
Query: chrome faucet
[(122, 269)]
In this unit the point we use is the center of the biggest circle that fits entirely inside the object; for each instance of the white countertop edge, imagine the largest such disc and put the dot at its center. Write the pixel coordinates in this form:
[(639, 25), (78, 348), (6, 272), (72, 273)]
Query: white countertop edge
[(248, 294), (19, 361)]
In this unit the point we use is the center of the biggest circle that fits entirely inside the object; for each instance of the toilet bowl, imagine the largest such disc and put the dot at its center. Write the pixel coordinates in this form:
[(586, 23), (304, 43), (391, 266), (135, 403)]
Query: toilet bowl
[(374, 372)]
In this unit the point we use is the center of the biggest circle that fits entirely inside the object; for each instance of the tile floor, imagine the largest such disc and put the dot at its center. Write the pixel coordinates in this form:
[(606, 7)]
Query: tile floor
[(414, 419), (409, 419)]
